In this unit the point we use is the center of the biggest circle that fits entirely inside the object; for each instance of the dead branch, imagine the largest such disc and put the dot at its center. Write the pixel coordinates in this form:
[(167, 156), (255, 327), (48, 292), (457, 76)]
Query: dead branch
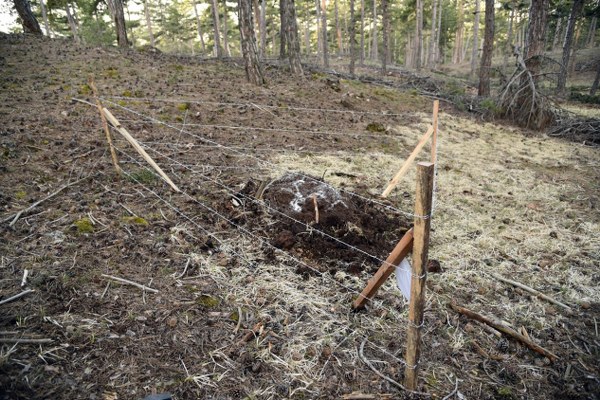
[(501, 326), (17, 296), (128, 282), (25, 340), (532, 291)]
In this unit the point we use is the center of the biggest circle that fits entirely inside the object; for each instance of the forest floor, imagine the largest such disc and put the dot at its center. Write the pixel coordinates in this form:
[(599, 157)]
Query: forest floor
[(245, 294)]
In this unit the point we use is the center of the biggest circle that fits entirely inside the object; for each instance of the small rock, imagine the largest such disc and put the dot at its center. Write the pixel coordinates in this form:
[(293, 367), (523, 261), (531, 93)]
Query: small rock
[(172, 322), (585, 305)]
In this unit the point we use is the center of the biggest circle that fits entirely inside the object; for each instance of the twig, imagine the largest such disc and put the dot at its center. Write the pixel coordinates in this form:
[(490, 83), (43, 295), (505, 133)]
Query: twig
[(505, 329), (387, 378), (24, 280), (532, 291), (314, 197), (15, 217), (453, 392), (16, 296), (128, 282), (25, 340)]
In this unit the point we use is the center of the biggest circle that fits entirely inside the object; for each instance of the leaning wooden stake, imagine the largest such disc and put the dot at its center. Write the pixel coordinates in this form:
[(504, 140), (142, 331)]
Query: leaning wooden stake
[(501, 326), (425, 174), (404, 169), (111, 118), (113, 153), (401, 250)]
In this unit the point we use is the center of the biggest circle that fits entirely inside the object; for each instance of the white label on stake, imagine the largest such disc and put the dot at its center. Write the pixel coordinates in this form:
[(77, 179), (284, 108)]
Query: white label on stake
[(403, 278)]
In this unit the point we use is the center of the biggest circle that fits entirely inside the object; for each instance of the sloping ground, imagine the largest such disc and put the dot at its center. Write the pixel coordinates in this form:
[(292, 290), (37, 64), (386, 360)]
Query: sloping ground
[(233, 318)]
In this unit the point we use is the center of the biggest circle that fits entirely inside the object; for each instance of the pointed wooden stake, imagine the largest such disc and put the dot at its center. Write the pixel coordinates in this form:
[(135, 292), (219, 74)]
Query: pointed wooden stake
[(419, 271)]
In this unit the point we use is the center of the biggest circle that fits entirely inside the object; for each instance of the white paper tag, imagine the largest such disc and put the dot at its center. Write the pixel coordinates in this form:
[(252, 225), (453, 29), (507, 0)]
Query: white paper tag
[(403, 278)]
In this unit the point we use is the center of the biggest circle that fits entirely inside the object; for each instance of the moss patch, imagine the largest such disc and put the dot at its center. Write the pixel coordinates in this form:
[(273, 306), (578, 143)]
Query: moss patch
[(84, 225)]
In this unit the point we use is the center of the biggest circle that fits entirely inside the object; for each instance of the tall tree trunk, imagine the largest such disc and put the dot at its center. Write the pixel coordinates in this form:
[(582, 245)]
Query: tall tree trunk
[(306, 29), (149, 23), (386, 31), (374, 38), (509, 38), (574, 48), (198, 24), (28, 21), (362, 33), (291, 36), (226, 29), (263, 29), (218, 48), (475, 52), (338, 30), (318, 29), (419, 35), (433, 40), (557, 34), (352, 34), (488, 49), (324, 33), (459, 37), (282, 30), (248, 42), (72, 24), (562, 77), (438, 34), (592, 31), (45, 18), (596, 81), (120, 24)]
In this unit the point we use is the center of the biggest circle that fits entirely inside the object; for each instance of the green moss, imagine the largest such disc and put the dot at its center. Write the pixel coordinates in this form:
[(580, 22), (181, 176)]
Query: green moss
[(144, 176), (376, 127), (111, 72), (177, 67), (505, 393), (84, 225), (127, 93), (183, 106), (122, 103), (234, 316), (84, 89), (20, 195), (208, 301), (135, 221)]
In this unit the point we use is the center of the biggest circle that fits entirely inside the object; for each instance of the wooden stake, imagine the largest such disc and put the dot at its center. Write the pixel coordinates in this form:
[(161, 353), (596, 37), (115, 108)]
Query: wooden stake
[(111, 118), (113, 153), (425, 172), (436, 107), (501, 326), (408, 162), (401, 250)]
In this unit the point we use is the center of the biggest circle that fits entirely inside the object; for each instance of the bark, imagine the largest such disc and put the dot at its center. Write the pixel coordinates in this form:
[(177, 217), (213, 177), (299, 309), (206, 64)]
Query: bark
[(198, 24), (45, 18), (386, 27), (509, 38), (557, 34), (226, 29), (562, 77), (438, 34), (362, 33), (282, 30), (28, 21), (149, 23), (338, 30), (291, 36), (432, 41), (458, 41), (575, 47), (475, 52), (592, 32), (536, 33), (324, 33), (419, 35), (248, 43), (306, 29), (596, 81), (120, 27), (218, 48), (72, 23), (352, 34), (263, 28), (488, 49), (374, 49), (319, 35)]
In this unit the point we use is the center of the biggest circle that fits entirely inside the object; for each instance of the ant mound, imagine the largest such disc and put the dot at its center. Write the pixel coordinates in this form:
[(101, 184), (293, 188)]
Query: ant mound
[(335, 229)]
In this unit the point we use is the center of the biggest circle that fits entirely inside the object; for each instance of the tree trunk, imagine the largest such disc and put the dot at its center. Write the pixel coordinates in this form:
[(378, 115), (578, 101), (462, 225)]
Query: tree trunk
[(72, 24), (458, 41), (419, 35), (557, 34), (596, 81), (509, 38), (248, 43), (306, 29), (218, 48), (324, 33), (226, 29), (318, 29), (574, 48), (488, 49), (386, 27), (536, 33), (374, 52), (28, 21), (198, 24), (45, 18), (362, 33), (562, 77), (282, 30), (149, 23), (263, 28), (352, 34), (592, 32), (291, 36), (438, 52), (433, 40), (475, 52), (338, 30), (120, 27)]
